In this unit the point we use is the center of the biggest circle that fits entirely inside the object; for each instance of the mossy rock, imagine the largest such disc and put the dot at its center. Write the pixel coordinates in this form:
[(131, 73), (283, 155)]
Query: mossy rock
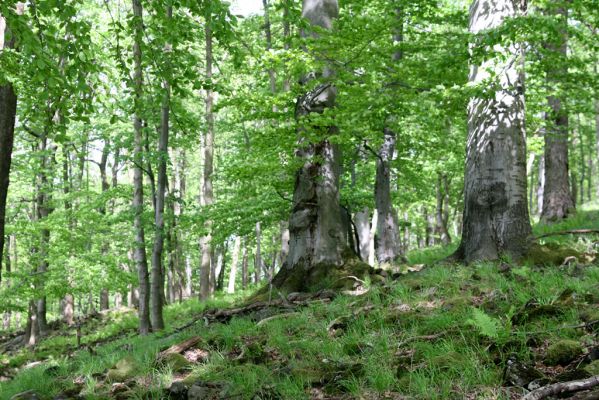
[(549, 254), (563, 352), (593, 368), (123, 370), (176, 362)]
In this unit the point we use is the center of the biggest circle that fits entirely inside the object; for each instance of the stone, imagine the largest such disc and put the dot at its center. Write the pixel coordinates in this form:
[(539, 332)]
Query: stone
[(177, 391), (521, 374), (28, 395), (563, 352), (123, 370), (197, 392)]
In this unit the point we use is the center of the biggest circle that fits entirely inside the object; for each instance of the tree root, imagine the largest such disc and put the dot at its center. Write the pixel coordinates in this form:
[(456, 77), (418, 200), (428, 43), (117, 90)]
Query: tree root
[(562, 387)]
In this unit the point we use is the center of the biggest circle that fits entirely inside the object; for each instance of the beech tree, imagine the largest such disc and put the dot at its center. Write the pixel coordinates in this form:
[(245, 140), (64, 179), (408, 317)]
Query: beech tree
[(496, 219)]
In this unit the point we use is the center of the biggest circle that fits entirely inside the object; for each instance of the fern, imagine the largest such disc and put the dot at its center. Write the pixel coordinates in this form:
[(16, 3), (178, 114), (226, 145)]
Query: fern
[(487, 326)]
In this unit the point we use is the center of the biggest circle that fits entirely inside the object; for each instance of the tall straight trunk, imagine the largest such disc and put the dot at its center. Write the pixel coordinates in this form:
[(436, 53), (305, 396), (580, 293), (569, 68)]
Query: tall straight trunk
[(8, 113), (104, 295), (157, 278), (7, 267), (496, 219), (234, 262), (284, 242), (268, 34), (221, 266), (583, 165), (318, 241), (207, 191), (558, 203), (597, 137), (139, 254), (389, 249), (286, 37), (258, 263)]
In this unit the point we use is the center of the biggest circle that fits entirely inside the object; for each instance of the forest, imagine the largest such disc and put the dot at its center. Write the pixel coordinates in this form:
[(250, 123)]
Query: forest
[(285, 199)]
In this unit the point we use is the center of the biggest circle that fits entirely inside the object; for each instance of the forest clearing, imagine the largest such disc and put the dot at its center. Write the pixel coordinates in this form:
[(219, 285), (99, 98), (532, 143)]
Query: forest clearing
[(285, 199)]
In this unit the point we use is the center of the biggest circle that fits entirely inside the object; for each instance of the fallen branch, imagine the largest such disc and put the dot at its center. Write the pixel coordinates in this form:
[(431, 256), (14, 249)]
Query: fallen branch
[(571, 232), (417, 338), (562, 387), (180, 347), (285, 315)]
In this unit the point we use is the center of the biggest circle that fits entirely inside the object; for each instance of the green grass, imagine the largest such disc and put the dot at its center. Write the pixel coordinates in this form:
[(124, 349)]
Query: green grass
[(291, 356)]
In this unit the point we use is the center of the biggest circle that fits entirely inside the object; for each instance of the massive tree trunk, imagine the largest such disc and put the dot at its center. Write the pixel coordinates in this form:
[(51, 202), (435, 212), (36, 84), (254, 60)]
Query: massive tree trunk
[(208, 195), (318, 242), (8, 112), (558, 202), (139, 254), (157, 278), (496, 219)]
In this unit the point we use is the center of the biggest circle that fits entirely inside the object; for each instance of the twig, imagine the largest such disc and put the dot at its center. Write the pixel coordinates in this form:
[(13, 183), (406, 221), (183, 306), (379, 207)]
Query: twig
[(285, 315), (425, 337), (562, 387)]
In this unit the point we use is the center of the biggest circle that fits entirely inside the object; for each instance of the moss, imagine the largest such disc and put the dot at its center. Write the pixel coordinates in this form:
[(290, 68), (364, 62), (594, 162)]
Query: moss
[(447, 360), (549, 254), (593, 368), (176, 362), (123, 370), (563, 352)]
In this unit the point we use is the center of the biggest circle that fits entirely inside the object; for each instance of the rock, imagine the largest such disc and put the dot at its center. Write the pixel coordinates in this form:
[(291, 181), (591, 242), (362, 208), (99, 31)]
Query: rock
[(177, 391), (198, 392), (521, 374), (28, 395), (563, 352), (176, 362), (533, 309), (593, 368), (123, 370)]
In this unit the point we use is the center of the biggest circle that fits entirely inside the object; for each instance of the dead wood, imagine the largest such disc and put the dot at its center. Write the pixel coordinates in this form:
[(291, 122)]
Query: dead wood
[(562, 387)]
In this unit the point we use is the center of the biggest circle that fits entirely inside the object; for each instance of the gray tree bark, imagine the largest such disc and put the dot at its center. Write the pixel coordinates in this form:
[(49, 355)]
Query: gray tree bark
[(441, 211), (558, 202), (234, 262), (496, 219), (362, 219), (208, 194), (139, 254), (157, 277)]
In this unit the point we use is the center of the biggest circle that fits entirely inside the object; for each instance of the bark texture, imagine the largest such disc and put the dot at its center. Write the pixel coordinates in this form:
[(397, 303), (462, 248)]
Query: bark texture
[(496, 219), (8, 112), (317, 239), (207, 191), (139, 254), (557, 198)]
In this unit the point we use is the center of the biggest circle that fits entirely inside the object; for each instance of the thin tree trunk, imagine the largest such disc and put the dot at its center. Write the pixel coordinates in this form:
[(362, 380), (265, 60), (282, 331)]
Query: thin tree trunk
[(557, 197), (597, 136), (8, 112), (140, 256), (496, 219), (362, 220), (234, 262), (541, 186), (440, 214), (208, 195), (104, 295), (157, 278), (244, 268), (7, 267), (258, 264)]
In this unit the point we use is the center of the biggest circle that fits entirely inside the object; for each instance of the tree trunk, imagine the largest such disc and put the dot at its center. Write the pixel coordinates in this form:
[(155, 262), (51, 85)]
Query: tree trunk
[(8, 112), (558, 203), (244, 268), (7, 266), (541, 186), (597, 136), (208, 195), (104, 295), (140, 256), (362, 219), (496, 219), (234, 262), (441, 212), (318, 242), (157, 278), (388, 249), (258, 264)]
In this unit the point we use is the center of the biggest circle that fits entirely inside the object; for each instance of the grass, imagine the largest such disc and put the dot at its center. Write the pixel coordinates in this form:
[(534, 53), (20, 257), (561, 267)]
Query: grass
[(298, 357)]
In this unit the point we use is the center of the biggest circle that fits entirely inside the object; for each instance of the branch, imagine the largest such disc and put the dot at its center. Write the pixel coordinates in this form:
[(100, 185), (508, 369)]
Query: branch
[(571, 232), (562, 387), (31, 131), (377, 155)]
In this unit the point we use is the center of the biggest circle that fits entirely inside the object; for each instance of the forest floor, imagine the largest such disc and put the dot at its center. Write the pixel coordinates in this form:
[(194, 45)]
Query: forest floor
[(486, 331)]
